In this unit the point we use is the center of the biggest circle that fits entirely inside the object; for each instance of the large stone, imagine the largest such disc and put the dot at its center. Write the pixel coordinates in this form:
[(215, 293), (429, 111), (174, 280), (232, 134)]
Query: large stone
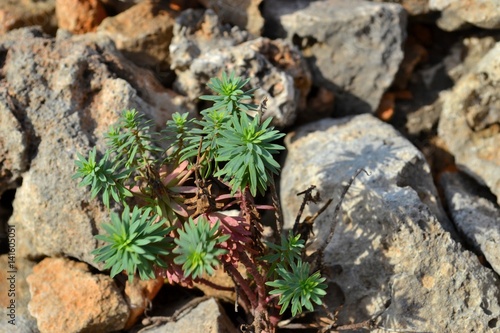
[(202, 48), (393, 255), (143, 33), (15, 290), (23, 13), (353, 48), (67, 297), (65, 93), (245, 14), (206, 317), (470, 122), (475, 217), (79, 16), (13, 147), (456, 13)]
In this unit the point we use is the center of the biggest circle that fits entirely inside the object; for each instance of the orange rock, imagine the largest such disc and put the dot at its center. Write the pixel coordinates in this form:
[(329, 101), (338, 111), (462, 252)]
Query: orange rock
[(385, 110), (67, 297), (79, 16), (139, 295)]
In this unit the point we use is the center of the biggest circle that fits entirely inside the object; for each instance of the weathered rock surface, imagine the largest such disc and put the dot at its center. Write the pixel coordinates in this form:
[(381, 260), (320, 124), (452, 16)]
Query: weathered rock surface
[(245, 14), (78, 16), (456, 13), (66, 297), (413, 7), (202, 48), (470, 122), (142, 33), (474, 216), (65, 93), (391, 255), (13, 147), (352, 47), (24, 321), (206, 317), (22, 13)]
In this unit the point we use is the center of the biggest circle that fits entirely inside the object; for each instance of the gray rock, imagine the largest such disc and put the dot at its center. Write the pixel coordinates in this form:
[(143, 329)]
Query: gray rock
[(469, 122), (13, 146), (245, 14), (483, 14), (24, 321), (202, 48), (65, 93), (205, 317), (475, 217), (413, 7), (353, 48), (393, 255)]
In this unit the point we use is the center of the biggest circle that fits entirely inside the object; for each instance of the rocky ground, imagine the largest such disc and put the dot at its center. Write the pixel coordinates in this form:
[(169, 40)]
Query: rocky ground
[(407, 90)]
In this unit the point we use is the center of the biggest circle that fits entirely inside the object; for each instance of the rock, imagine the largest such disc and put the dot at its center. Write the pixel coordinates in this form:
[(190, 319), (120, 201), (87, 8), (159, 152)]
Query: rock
[(206, 317), (244, 14), (470, 122), (66, 297), (24, 321), (143, 33), (202, 48), (393, 256), (78, 16), (23, 13), (352, 47), (480, 13), (13, 147), (413, 7), (475, 217), (65, 93), (465, 54), (139, 294)]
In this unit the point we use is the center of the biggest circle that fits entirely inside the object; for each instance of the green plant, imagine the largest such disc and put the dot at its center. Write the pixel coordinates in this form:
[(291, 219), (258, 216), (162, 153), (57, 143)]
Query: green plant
[(179, 226), (135, 243)]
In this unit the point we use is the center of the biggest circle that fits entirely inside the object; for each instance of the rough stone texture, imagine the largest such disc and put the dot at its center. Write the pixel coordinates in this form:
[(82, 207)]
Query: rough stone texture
[(79, 16), (470, 122), (391, 254), (22, 13), (465, 55), (352, 47), (139, 294), (202, 48), (66, 297), (13, 147), (413, 7), (206, 317), (475, 217), (66, 92), (243, 13), (455, 13), (25, 322), (143, 33)]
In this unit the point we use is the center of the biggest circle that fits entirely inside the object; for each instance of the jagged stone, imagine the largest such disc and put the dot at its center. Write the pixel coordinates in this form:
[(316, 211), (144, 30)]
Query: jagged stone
[(66, 297), (475, 217), (65, 93), (470, 122), (352, 47), (393, 255), (202, 48)]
